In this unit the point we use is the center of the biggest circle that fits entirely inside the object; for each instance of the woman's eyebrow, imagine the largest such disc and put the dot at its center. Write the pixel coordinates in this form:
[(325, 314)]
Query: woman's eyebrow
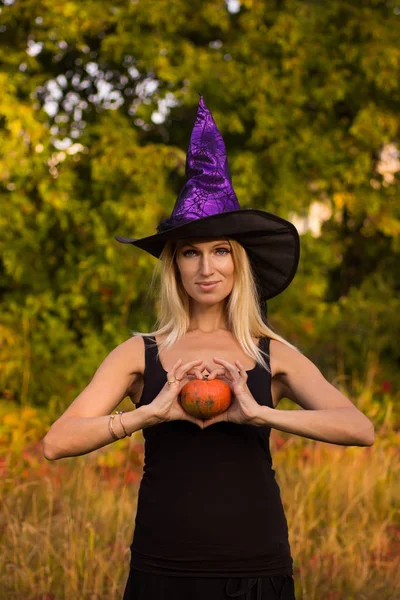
[(213, 246)]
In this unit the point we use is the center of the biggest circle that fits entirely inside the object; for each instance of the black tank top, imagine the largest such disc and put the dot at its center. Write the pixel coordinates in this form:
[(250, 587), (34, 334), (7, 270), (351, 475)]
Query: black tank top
[(208, 502)]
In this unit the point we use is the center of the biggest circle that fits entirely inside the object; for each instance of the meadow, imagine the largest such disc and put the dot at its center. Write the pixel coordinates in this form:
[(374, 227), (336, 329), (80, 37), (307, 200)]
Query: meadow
[(66, 525)]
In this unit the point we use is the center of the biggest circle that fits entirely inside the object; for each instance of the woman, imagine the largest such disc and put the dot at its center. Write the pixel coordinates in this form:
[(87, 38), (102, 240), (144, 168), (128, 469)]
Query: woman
[(210, 521)]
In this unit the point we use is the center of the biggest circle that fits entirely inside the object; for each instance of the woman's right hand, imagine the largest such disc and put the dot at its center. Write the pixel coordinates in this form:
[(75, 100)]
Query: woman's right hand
[(166, 405)]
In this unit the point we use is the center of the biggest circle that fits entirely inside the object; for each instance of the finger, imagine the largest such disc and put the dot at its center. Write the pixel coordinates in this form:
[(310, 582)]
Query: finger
[(215, 373), (171, 374), (233, 370), (193, 366), (242, 370), (176, 365), (212, 421), (197, 372), (225, 363), (187, 365)]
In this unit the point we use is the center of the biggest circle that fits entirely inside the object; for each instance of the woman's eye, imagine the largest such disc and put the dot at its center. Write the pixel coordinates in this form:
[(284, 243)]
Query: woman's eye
[(223, 250)]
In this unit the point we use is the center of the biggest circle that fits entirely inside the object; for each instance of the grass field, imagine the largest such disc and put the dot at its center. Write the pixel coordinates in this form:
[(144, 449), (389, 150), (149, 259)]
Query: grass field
[(66, 526)]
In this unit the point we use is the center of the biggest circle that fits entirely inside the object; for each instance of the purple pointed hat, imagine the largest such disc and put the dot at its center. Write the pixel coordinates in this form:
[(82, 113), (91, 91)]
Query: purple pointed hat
[(208, 189), (207, 207)]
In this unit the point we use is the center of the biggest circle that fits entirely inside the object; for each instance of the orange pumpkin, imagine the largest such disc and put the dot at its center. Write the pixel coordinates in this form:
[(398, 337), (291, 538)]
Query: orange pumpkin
[(204, 399)]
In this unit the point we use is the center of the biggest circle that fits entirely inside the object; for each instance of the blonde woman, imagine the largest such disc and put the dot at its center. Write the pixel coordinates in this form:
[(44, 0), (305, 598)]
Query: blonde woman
[(210, 521)]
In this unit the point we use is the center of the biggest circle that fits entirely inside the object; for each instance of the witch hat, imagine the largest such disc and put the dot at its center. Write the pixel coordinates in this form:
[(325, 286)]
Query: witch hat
[(207, 206)]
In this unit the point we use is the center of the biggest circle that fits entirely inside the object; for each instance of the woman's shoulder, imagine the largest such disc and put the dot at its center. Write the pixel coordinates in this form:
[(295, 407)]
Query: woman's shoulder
[(284, 357)]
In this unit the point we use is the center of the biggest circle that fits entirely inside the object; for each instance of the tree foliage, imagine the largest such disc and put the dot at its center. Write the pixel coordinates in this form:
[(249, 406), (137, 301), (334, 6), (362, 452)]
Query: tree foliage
[(97, 104)]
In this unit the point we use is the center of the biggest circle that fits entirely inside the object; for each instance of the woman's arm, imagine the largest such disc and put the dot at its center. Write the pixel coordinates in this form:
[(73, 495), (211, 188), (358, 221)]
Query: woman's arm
[(74, 436), (328, 416), (84, 425)]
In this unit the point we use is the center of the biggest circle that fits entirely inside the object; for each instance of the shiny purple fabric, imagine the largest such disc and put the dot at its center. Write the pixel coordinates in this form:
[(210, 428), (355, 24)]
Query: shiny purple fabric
[(208, 189)]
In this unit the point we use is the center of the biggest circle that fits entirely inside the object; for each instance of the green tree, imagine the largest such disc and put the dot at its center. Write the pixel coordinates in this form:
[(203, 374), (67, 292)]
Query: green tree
[(98, 100)]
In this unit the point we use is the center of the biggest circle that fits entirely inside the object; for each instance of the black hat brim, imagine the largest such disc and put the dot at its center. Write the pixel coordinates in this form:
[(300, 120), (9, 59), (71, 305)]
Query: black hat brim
[(272, 243)]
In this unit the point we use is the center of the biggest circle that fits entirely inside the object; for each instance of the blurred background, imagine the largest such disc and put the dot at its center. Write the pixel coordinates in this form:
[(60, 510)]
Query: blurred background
[(97, 104)]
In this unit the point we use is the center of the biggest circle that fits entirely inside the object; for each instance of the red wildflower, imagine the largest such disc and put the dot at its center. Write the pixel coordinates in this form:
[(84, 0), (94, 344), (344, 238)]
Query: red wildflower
[(386, 386)]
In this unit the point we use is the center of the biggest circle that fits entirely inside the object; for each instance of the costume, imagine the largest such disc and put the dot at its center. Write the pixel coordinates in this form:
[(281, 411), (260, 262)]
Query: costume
[(207, 206), (209, 509)]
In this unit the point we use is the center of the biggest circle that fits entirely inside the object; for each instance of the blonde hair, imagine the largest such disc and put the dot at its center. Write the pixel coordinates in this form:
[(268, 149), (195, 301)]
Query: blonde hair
[(242, 305)]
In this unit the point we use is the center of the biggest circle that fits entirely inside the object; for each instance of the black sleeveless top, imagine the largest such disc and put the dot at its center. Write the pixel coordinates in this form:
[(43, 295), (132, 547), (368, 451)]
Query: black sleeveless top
[(208, 503)]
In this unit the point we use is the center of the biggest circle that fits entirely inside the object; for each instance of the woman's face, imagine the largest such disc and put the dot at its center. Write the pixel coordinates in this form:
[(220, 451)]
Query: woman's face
[(201, 261)]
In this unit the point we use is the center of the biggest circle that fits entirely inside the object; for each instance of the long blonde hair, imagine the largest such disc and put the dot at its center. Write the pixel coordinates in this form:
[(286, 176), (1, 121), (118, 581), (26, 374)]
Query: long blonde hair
[(243, 310)]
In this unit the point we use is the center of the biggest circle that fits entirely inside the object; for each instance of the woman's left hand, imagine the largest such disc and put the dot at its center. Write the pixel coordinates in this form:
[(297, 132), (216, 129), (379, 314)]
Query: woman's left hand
[(244, 408)]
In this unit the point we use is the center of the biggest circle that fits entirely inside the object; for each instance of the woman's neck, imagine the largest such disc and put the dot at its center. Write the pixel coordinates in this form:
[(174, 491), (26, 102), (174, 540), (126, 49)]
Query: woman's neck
[(206, 330)]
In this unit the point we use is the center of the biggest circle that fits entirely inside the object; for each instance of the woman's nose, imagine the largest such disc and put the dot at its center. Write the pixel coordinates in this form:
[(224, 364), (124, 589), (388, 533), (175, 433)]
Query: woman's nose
[(206, 267)]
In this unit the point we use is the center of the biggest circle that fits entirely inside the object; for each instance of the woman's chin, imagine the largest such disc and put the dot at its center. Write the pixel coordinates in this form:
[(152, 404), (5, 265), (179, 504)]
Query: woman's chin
[(209, 298)]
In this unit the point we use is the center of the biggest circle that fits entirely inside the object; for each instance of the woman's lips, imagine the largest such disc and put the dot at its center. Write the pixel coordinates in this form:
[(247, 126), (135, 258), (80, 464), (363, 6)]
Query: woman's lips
[(207, 286)]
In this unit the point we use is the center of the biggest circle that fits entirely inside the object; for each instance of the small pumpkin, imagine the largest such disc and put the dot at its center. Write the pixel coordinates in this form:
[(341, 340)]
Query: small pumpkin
[(203, 398)]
